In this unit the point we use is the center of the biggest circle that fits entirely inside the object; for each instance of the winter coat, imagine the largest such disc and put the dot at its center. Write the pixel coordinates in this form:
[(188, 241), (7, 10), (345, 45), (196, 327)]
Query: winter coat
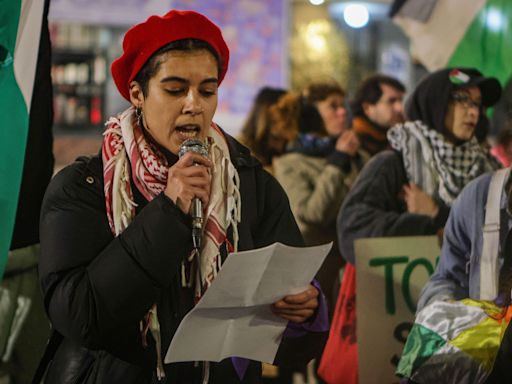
[(457, 275), (373, 207), (316, 187), (97, 288)]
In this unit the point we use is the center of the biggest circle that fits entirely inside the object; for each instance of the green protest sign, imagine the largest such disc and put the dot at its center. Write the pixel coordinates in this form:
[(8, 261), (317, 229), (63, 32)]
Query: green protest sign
[(390, 274)]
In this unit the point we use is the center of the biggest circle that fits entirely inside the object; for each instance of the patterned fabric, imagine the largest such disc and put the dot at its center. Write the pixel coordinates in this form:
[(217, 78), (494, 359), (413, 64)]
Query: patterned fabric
[(123, 141), (454, 342), (312, 145), (128, 156), (437, 166)]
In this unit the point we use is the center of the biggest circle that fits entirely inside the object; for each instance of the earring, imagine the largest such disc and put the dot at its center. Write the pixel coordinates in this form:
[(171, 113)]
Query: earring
[(140, 116)]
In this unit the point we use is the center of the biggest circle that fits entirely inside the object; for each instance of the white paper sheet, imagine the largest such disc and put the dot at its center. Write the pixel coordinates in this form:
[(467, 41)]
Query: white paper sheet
[(233, 318)]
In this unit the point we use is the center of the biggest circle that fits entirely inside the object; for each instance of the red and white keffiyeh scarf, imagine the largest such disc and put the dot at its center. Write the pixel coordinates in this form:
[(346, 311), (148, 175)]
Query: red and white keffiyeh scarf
[(128, 156)]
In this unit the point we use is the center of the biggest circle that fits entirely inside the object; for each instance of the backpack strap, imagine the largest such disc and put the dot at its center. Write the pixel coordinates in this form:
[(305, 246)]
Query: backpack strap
[(489, 268)]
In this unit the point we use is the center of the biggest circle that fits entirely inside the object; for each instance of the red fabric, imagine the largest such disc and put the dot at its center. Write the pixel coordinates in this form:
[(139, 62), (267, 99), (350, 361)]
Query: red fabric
[(148, 167), (499, 153), (144, 39), (339, 361)]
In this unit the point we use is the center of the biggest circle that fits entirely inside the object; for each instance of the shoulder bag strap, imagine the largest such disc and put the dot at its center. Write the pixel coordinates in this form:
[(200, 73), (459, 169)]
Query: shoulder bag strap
[(489, 269)]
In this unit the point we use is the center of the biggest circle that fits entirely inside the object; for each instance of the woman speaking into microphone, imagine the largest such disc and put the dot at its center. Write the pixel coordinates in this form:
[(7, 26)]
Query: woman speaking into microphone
[(118, 268)]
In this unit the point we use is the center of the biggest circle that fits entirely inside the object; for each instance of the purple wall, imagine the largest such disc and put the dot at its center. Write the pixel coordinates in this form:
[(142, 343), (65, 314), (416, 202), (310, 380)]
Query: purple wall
[(256, 35), (255, 30)]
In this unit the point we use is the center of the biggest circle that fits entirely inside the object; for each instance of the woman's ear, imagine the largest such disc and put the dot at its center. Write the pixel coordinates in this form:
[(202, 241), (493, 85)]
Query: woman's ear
[(136, 94)]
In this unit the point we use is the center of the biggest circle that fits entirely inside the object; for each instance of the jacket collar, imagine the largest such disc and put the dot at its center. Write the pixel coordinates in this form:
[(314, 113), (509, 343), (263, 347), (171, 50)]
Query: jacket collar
[(240, 155)]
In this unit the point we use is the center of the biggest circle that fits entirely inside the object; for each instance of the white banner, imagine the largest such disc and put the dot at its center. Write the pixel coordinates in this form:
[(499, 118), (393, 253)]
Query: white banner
[(107, 12), (390, 274)]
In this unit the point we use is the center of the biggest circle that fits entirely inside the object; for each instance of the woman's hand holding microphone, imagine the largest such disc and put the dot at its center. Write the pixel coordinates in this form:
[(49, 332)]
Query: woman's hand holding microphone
[(187, 179)]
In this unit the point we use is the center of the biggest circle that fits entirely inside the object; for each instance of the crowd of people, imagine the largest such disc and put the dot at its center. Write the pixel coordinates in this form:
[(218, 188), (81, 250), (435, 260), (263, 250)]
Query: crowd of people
[(395, 170), (422, 154), (117, 265)]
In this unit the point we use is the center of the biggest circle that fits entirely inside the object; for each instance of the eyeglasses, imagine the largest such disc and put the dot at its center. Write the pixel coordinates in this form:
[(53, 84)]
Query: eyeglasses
[(466, 101)]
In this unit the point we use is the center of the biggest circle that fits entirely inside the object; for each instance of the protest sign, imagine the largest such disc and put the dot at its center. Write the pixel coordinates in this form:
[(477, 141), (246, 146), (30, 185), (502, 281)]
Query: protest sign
[(390, 274)]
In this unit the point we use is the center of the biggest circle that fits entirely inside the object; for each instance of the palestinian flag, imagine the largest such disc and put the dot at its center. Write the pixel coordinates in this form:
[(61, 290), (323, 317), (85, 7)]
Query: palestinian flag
[(25, 118), (454, 342), (453, 33)]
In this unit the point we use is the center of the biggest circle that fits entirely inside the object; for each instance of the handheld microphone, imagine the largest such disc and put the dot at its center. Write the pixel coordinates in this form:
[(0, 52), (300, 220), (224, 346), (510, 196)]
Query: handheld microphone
[(196, 210)]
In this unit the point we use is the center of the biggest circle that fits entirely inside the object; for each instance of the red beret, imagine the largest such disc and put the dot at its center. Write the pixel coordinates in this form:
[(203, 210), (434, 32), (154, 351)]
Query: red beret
[(144, 39)]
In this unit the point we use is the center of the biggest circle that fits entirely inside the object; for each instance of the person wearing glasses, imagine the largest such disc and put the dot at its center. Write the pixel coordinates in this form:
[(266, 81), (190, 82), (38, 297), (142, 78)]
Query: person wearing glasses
[(474, 261), (408, 191), (457, 275)]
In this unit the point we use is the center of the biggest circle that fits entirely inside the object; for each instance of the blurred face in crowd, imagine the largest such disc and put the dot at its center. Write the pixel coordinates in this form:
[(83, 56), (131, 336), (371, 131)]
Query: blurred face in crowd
[(181, 98), (389, 110), (334, 114), (463, 113)]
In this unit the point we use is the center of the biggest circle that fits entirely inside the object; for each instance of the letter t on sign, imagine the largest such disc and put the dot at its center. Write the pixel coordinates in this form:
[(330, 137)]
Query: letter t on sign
[(388, 263)]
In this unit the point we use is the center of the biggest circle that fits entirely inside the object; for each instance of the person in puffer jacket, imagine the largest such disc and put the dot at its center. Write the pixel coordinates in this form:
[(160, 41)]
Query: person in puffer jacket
[(118, 268)]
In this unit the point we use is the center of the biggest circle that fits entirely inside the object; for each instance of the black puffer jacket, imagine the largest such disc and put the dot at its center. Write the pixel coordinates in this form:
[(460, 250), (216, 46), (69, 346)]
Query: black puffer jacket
[(97, 288)]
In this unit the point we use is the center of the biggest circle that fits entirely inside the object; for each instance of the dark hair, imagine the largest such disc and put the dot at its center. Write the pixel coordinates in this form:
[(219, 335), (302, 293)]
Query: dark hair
[(504, 136), (370, 91), (310, 120), (293, 115), (316, 92), (256, 129), (150, 68)]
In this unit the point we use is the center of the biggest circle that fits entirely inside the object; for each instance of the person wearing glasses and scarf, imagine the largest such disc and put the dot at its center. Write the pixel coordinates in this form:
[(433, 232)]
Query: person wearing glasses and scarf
[(408, 191), (118, 270)]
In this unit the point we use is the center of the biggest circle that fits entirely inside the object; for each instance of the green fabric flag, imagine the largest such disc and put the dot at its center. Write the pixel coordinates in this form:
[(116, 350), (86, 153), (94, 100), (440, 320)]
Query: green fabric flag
[(20, 28), (422, 343), (459, 33), (486, 45)]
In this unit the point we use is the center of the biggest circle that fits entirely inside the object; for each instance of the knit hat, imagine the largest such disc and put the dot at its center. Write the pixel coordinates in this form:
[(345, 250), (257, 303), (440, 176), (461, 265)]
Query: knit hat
[(144, 39)]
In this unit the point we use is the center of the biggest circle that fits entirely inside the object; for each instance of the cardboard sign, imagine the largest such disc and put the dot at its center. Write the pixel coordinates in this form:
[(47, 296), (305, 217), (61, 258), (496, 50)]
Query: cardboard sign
[(391, 272)]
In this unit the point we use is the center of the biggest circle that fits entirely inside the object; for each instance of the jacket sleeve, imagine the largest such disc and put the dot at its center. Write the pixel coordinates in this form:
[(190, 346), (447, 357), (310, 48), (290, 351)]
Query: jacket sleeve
[(450, 281), (373, 207), (275, 221), (315, 199), (96, 286), (278, 224)]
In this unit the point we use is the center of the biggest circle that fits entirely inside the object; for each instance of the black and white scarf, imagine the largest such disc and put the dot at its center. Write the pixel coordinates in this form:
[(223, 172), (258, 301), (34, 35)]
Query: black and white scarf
[(438, 167)]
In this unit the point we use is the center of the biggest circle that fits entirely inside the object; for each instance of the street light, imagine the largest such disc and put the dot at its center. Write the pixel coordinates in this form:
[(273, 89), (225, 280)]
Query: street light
[(356, 15)]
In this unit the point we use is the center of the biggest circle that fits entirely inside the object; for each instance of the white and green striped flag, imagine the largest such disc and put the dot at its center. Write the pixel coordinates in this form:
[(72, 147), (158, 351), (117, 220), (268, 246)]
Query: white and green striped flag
[(20, 29), (451, 33)]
